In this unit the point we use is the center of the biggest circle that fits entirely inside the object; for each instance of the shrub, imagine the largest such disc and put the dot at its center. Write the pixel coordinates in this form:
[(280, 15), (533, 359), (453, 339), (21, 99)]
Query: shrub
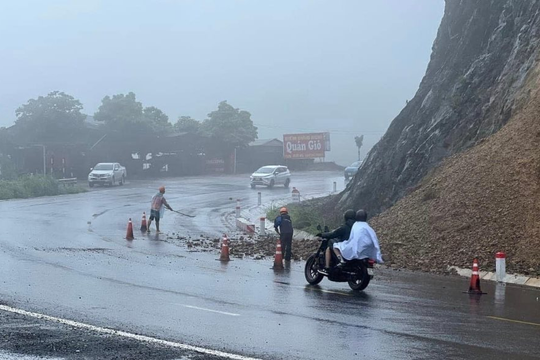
[(34, 186), (304, 215)]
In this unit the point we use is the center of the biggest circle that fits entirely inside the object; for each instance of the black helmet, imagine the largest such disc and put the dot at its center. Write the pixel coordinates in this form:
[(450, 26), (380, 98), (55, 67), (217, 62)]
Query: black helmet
[(349, 215), (361, 215)]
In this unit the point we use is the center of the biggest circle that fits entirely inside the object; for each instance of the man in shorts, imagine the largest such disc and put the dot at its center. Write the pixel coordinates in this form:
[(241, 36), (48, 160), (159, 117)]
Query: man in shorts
[(158, 202)]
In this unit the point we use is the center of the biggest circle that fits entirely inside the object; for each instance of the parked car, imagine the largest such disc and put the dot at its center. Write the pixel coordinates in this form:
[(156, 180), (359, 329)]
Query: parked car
[(352, 169), (107, 173), (271, 175)]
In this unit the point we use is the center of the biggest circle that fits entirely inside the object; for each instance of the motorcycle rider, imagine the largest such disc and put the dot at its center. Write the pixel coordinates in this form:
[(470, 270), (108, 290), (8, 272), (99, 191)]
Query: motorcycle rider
[(362, 243), (338, 235)]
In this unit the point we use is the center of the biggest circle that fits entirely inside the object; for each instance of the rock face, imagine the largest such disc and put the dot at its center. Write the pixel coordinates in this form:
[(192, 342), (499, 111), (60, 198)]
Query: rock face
[(476, 203), (483, 53)]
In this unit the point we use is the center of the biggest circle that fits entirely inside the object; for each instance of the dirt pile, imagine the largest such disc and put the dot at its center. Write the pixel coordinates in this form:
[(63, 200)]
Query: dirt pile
[(484, 200)]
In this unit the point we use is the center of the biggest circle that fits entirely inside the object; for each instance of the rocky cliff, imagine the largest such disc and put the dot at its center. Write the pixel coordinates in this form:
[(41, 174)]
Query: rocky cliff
[(478, 202), (482, 56)]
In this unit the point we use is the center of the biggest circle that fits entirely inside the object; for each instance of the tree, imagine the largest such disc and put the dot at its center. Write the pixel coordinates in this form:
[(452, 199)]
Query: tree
[(7, 169), (187, 124), (229, 128), (54, 117), (122, 113), (157, 119), (6, 143), (359, 142)]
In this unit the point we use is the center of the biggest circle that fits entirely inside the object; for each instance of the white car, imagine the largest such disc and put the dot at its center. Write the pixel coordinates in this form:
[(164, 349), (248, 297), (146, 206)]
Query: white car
[(271, 175), (107, 173)]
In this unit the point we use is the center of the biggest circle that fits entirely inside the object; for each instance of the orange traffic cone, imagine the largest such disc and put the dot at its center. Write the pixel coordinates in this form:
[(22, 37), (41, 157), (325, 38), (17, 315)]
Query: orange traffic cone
[(129, 234), (474, 287), (143, 223), (225, 249), (278, 259)]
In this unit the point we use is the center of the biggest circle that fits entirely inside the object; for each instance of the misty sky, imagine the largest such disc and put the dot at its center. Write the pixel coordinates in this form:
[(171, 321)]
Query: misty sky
[(297, 65)]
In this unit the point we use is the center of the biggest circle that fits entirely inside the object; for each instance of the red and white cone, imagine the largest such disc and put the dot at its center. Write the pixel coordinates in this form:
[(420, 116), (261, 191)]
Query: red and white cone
[(474, 287), (129, 233), (144, 226), (224, 249), (278, 259)]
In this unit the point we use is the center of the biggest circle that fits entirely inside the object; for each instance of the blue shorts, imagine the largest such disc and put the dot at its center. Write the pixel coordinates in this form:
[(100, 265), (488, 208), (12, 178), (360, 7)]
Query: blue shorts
[(154, 215)]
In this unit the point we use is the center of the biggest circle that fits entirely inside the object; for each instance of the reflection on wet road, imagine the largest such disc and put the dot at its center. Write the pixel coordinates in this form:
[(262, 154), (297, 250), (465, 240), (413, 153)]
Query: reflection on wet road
[(66, 257)]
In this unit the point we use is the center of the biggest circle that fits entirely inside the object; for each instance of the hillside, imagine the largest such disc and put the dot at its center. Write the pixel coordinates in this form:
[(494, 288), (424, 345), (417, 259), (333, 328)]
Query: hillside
[(482, 55), (485, 200)]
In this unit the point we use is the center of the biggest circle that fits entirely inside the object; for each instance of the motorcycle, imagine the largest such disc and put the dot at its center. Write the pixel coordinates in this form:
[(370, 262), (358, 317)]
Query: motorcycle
[(357, 273)]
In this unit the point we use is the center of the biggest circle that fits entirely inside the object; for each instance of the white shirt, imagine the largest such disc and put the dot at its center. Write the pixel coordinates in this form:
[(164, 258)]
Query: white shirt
[(362, 244)]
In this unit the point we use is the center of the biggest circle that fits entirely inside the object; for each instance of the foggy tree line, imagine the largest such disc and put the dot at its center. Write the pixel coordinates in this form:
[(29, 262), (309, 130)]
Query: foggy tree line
[(58, 117)]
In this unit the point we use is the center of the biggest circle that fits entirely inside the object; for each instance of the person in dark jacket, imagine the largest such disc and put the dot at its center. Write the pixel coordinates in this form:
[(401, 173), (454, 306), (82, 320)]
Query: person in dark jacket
[(338, 235), (283, 226)]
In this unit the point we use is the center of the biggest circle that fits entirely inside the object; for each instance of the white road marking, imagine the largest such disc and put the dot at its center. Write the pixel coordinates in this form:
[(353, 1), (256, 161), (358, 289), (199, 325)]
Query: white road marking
[(127, 335), (210, 310)]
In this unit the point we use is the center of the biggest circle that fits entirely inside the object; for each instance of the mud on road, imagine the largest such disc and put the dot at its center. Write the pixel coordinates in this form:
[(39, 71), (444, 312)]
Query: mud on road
[(241, 246)]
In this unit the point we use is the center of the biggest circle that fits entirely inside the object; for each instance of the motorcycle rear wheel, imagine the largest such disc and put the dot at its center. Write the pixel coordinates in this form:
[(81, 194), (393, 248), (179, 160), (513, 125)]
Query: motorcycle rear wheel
[(312, 275), (362, 281)]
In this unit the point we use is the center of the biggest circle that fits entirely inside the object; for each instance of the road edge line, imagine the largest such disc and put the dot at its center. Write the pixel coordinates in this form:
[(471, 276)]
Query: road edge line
[(125, 334)]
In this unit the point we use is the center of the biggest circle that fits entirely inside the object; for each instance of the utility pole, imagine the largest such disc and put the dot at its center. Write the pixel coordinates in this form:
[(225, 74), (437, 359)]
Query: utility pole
[(359, 142), (234, 166), (44, 159)]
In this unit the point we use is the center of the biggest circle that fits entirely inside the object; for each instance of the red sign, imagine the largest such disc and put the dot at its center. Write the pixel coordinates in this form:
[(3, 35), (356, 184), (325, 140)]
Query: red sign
[(215, 165), (305, 146)]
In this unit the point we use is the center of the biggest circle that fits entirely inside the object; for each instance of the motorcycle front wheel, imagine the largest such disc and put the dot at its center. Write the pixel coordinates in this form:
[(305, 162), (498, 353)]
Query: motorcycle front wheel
[(362, 280), (312, 275)]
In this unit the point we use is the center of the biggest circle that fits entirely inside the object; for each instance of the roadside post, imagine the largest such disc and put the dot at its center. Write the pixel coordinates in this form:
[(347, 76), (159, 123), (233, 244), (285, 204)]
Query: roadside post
[(262, 226), (237, 208), (335, 187), (259, 198), (295, 195), (500, 266)]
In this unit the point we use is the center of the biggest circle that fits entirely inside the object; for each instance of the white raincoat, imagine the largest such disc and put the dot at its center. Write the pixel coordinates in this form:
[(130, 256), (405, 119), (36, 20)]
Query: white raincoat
[(362, 244)]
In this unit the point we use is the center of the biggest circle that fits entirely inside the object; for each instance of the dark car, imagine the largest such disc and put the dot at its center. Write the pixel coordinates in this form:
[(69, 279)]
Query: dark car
[(352, 169)]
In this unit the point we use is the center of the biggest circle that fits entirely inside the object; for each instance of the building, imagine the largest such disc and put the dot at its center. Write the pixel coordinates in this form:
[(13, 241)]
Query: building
[(259, 153)]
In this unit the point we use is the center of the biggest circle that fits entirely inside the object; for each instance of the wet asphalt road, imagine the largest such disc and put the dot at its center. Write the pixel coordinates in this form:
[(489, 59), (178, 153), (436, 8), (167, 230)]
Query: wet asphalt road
[(66, 257)]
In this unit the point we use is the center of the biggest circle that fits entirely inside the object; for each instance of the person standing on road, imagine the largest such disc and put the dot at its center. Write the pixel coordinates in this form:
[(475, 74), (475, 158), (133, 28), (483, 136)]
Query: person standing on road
[(284, 228), (157, 208)]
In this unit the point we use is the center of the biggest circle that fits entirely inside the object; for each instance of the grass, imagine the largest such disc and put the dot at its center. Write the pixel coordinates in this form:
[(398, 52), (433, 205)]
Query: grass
[(34, 186), (306, 215)]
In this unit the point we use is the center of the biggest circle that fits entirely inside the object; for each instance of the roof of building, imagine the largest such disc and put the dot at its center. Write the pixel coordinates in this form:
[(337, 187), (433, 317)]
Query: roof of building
[(267, 142)]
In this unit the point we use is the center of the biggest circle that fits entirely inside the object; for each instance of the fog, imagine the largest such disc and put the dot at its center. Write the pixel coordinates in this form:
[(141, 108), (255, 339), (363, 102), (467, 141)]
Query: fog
[(346, 67)]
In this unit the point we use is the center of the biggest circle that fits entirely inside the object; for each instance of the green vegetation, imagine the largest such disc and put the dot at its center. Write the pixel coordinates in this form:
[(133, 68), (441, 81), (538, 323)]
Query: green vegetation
[(306, 215), (123, 113), (34, 186), (229, 128), (50, 118), (187, 124)]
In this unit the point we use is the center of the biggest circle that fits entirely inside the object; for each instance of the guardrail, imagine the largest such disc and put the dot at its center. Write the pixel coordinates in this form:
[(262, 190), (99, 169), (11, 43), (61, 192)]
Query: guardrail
[(68, 182)]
